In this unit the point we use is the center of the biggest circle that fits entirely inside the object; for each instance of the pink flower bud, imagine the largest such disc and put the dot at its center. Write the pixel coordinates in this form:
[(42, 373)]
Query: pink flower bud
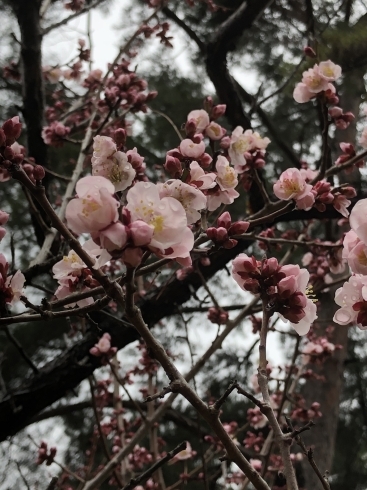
[(238, 228), (335, 111), (218, 111), (39, 172), (225, 143), (114, 237), (8, 153), (221, 234), (224, 220), (212, 233), (141, 233), (347, 148), (190, 128), (173, 166), (119, 137), (12, 129)]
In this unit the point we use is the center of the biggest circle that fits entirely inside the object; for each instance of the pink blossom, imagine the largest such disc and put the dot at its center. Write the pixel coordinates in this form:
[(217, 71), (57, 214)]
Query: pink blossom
[(215, 131), (295, 283), (242, 142), (341, 203), (103, 148), (292, 185), (113, 237), (227, 176), (15, 285), (166, 216), (350, 297), (95, 207), (201, 119), (103, 347), (192, 200), (141, 233), (187, 453), (358, 221), (200, 179), (302, 94), (192, 150), (221, 197), (117, 169), (314, 80), (55, 133), (330, 70)]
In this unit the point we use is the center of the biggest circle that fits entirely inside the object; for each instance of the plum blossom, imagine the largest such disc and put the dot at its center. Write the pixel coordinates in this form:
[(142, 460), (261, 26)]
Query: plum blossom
[(192, 200), (215, 131), (15, 285), (227, 180), (201, 119), (200, 179), (95, 207), (295, 306), (191, 149), (167, 217), (352, 298), (112, 164), (244, 141), (358, 221), (316, 80), (3, 220), (292, 185), (73, 264), (103, 347)]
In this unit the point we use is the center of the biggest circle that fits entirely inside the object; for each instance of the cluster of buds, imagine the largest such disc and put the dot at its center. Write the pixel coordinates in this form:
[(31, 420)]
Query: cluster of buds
[(284, 288), (126, 90), (221, 235), (190, 150), (55, 134), (348, 153), (254, 441), (318, 350), (139, 457), (160, 30), (45, 455), (217, 316), (293, 184), (201, 122), (103, 348), (256, 418), (306, 414), (340, 119), (268, 233)]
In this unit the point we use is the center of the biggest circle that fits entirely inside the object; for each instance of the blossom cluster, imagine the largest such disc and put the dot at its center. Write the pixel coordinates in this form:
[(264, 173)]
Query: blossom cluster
[(318, 80), (293, 184), (352, 296), (284, 287)]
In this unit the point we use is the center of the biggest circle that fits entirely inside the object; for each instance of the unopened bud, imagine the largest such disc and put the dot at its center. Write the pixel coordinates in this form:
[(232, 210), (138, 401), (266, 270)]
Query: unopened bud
[(190, 128), (2, 137), (8, 153), (173, 166), (39, 172), (208, 104), (224, 220), (218, 111), (119, 137)]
